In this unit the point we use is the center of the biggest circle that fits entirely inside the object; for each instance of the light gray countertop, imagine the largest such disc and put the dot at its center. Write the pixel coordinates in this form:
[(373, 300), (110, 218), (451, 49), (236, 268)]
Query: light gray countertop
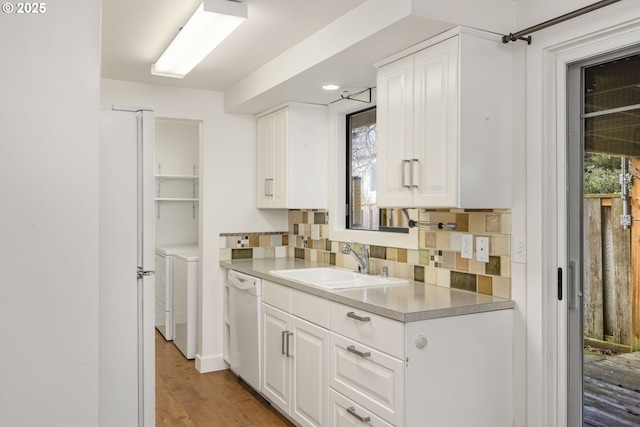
[(407, 302)]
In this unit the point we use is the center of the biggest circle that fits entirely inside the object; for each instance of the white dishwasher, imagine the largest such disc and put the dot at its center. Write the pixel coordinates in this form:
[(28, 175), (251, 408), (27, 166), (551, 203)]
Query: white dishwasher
[(245, 324)]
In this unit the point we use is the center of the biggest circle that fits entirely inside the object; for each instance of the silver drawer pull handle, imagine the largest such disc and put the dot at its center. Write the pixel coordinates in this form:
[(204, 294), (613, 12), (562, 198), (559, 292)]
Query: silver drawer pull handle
[(353, 413), (404, 163), (289, 334), (413, 173), (352, 349), (284, 334), (353, 315)]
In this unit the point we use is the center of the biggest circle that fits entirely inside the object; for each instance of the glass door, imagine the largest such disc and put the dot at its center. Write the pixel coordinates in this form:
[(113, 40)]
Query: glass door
[(603, 195)]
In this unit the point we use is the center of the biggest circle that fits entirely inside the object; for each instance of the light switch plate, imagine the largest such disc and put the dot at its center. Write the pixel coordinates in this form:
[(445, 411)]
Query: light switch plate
[(482, 249), (519, 249), (466, 246)]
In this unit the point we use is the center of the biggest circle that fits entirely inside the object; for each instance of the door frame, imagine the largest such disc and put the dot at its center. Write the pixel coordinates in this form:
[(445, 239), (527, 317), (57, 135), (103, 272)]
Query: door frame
[(591, 35)]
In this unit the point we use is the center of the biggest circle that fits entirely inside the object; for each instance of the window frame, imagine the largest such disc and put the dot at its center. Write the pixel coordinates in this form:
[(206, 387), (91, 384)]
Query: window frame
[(349, 179), (337, 186)]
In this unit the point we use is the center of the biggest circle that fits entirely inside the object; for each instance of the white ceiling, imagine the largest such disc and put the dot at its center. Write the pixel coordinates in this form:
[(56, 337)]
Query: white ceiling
[(135, 33)]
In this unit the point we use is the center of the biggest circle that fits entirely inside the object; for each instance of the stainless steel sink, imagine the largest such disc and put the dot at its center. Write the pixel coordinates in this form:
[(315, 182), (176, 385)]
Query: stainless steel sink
[(336, 278)]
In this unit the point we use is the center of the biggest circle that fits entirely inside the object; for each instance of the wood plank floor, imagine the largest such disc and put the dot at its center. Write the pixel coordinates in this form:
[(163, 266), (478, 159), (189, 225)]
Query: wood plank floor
[(185, 397), (612, 391)]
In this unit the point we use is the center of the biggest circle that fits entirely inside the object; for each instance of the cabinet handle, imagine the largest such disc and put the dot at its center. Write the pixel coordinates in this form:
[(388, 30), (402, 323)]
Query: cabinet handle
[(284, 334), (288, 335), (404, 173), (352, 349), (268, 186), (413, 173), (353, 315), (352, 411)]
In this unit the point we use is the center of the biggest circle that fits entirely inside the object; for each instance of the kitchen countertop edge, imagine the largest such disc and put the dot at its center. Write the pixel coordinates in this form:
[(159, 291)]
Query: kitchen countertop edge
[(261, 267)]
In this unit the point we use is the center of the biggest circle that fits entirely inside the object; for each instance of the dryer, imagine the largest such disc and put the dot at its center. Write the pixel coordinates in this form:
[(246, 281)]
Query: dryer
[(164, 287), (185, 302)]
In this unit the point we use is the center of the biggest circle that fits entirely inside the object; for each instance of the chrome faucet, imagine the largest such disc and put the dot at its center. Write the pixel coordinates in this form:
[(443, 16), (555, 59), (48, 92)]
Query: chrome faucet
[(363, 260)]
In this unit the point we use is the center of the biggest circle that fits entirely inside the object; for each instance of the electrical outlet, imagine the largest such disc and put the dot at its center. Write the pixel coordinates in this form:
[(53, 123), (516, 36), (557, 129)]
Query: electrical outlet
[(466, 246), (482, 249)]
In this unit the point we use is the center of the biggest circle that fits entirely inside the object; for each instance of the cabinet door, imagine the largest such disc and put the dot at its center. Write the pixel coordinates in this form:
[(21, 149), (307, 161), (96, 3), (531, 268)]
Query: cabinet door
[(395, 133), (435, 170), (280, 175), (310, 373), (276, 380), (264, 160)]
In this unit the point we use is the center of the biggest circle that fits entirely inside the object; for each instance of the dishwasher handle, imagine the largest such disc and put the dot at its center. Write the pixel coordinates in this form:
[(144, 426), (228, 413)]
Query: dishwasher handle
[(244, 282)]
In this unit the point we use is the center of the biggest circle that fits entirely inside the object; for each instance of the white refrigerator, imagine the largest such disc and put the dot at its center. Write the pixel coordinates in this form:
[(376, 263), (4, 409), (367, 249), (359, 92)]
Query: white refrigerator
[(127, 251)]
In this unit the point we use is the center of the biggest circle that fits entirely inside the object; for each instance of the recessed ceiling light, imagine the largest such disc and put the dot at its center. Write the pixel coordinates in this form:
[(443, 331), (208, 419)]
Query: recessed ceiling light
[(330, 86)]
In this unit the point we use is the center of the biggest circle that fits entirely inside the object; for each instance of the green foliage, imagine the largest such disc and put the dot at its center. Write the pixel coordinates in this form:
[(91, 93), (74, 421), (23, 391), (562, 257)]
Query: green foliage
[(601, 174)]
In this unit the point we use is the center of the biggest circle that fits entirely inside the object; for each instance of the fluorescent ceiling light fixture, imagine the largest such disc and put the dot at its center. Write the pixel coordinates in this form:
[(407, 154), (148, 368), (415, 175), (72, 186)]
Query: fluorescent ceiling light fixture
[(330, 86), (210, 24)]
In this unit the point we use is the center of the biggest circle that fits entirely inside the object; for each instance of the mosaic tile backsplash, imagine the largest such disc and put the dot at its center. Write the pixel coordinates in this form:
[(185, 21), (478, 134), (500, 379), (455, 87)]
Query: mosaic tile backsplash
[(253, 245), (438, 261)]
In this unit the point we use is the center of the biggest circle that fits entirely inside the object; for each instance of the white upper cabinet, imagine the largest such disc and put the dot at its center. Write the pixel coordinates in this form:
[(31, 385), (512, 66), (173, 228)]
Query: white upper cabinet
[(292, 158), (443, 124)]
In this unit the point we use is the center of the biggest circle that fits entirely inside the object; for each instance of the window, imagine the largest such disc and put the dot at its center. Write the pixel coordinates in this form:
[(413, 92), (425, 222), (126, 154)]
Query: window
[(362, 212)]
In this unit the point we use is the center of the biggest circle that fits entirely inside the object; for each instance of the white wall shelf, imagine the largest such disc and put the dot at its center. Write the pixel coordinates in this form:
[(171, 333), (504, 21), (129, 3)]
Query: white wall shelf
[(161, 178), (185, 177)]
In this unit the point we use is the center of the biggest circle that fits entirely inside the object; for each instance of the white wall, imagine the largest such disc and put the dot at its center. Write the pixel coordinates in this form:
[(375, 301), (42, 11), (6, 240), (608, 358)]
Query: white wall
[(227, 188), (49, 136)]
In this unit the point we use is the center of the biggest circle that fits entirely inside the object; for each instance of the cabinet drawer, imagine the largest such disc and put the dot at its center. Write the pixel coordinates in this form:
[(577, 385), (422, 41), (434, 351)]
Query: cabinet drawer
[(276, 295), (379, 332), (343, 412), (368, 377), (310, 307)]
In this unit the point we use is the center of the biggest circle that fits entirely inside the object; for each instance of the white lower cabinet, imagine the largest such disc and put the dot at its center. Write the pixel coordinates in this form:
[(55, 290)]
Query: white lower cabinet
[(328, 364), (276, 381), (460, 371), (311, 346), (295, 357)]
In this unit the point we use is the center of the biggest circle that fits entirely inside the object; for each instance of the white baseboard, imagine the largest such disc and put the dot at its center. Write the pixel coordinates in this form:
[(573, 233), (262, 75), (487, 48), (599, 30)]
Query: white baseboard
[(210, 363)]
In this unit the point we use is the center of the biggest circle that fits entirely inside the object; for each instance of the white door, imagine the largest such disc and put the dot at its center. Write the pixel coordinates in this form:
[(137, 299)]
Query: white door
[(310, 372), (394, 128), (127, 300), (276, 382), (279, 185), (264, 159), (435, 151)]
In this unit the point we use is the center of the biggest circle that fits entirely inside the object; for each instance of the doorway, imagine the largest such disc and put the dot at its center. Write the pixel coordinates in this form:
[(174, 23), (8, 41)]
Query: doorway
[(603, 195), (177, 229)]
